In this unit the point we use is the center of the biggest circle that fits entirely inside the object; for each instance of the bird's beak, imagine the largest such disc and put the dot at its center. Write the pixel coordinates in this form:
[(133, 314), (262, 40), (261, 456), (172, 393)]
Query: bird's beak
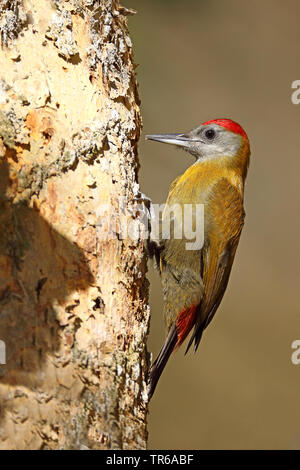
[(181, 140)]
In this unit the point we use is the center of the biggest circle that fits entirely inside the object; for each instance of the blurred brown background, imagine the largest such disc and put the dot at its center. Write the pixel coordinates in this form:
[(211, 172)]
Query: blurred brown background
[(200, 60)]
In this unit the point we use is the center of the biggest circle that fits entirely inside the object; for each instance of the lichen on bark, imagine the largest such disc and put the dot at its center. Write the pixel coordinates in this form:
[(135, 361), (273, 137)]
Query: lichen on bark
[(73, 306)]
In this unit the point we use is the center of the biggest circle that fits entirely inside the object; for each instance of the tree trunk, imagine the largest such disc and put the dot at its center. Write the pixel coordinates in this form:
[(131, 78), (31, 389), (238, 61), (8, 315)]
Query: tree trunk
[(73, 296)]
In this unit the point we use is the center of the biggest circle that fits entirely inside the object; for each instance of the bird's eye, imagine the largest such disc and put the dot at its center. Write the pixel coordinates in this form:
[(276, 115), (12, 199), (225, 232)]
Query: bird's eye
[(210, 134)]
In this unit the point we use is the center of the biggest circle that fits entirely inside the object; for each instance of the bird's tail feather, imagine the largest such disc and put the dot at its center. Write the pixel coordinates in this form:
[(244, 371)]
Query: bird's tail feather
[(196, 336), (162, 359)]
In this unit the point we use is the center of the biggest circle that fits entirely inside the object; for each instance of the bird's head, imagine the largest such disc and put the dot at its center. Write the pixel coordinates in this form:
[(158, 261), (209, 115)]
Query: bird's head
[(210, 140)]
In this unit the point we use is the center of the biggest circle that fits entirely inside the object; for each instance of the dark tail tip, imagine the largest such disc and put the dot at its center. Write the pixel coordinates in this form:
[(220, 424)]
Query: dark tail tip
[(161, 360), (196, 337), (155, 374)]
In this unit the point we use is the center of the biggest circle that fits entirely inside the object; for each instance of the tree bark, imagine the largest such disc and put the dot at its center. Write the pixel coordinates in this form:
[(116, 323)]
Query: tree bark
[(73, 304)]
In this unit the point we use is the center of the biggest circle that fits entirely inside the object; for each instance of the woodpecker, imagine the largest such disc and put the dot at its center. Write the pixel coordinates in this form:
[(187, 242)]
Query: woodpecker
[(194, 282)]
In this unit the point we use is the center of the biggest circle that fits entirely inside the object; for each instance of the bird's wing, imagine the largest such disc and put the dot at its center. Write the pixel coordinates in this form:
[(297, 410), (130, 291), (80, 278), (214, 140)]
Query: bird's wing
[(224, 223), (181, 277)]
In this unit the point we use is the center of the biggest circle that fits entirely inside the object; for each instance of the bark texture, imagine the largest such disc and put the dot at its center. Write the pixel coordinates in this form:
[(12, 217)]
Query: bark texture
[(73, 306)]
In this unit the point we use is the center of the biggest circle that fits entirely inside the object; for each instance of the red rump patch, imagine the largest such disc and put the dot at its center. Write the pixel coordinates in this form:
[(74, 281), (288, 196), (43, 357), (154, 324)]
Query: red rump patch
[(184, 323), (228, 124)]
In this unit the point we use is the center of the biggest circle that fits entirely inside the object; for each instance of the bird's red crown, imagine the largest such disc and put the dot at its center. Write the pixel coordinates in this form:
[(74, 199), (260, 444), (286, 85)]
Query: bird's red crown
[(228, 124)]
